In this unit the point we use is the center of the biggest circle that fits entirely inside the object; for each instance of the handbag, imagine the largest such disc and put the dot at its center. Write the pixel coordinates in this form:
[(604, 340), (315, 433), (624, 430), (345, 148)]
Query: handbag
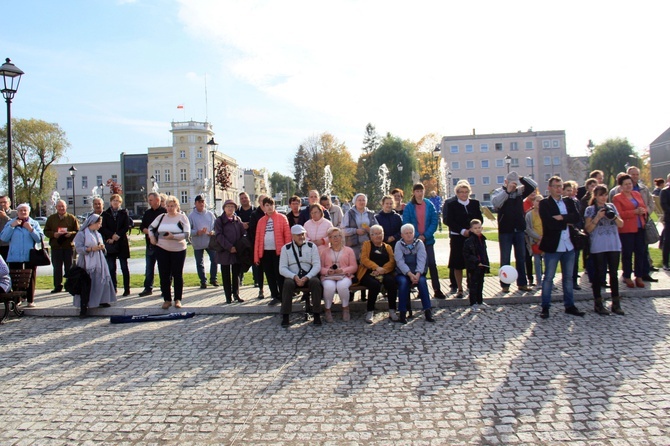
[(214, 244), (578, 238), (39, 257), (650, 232)]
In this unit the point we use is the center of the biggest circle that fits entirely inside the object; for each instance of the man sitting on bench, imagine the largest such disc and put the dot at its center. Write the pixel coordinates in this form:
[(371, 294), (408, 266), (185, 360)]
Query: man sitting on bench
[(300, 265)]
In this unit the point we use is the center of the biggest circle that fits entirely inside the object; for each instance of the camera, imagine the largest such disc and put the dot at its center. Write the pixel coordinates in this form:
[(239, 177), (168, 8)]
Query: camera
[(334, 266), (609, 212)]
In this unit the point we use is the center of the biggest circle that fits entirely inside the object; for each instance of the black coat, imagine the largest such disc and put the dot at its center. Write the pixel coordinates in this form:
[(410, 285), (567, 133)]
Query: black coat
[(458, 217), (120, 226), (474, 252), (552, 228)]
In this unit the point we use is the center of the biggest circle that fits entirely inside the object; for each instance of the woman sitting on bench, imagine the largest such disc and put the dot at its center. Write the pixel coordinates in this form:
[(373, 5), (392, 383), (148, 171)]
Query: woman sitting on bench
[(338, 266)]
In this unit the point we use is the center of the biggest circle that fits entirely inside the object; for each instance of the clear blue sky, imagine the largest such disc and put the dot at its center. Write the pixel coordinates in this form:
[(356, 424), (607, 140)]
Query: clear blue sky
[(111, 73)]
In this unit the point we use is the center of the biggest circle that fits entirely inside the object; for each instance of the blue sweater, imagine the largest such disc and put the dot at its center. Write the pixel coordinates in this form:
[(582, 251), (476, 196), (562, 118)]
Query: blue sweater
[(391, 222), (20, 240), (409, 216)]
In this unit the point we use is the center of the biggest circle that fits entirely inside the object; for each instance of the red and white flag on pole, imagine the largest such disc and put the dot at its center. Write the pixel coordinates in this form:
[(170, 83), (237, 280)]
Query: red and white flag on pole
[(180, 106)]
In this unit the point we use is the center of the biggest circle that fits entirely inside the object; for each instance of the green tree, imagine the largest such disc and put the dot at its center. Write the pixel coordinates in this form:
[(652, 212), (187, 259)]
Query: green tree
[(300, 163), (36, 146), (392, 152), (612, 157), (317, 152), (282, 184)]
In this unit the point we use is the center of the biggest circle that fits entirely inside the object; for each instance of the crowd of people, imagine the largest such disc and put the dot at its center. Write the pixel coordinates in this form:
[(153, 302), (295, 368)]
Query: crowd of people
[(324, 249)]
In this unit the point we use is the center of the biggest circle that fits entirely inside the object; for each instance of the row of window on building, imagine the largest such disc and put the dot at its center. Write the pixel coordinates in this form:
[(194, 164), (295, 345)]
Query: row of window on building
[(513, 146), (499, 179), (485, 164), (84, 181)]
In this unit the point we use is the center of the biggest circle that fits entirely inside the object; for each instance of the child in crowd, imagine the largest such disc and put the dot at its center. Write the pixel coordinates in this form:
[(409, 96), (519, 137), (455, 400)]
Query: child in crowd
[(477, 263)]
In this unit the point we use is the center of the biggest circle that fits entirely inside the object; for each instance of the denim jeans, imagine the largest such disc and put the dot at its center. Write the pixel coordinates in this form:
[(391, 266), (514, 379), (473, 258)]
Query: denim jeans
[(516, 240), (404, 284), (537, 259), (551, 259), (150, 259), (633, 244), (199, 255)]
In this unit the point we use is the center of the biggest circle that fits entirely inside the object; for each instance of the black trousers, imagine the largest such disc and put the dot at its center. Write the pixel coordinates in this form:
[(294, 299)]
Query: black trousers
[(602, 261), (171, 268), (476, 286), (61, 258), (231, 285), (111, 263), (270, 265), (375, 287)]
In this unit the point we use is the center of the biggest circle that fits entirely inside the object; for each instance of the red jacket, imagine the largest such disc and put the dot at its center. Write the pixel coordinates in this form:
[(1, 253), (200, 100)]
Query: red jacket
[(281, 230), (627, 212)]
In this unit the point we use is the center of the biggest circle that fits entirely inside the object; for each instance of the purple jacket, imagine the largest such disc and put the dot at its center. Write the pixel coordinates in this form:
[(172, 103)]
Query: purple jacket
[(228, 232)]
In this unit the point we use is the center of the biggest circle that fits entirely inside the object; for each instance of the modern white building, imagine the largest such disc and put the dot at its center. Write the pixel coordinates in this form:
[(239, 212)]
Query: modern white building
[(484, 160), (77, 189)]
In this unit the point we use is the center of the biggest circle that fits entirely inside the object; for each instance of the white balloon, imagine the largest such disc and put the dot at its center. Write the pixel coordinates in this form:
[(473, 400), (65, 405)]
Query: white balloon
[(507, 274)]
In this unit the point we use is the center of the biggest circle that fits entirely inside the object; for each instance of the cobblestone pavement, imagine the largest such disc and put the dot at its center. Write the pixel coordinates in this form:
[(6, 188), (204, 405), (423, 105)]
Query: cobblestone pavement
[(499, 377)]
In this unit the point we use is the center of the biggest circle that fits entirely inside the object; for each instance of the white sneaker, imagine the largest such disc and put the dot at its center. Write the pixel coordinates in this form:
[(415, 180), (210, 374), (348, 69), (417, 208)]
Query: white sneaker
[(369, 316), (484, 305), (475, 308), (393, 315)]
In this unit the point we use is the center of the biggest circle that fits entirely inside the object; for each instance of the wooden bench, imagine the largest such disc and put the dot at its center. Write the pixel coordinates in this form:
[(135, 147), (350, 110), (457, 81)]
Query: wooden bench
[(20, 283)]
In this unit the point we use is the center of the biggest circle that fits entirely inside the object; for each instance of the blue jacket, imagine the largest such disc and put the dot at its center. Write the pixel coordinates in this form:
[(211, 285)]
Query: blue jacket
[(409, 216), (391, 222), (20, 240)]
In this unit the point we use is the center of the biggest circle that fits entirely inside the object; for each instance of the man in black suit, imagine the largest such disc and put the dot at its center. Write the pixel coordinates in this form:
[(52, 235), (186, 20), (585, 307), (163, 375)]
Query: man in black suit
[(556, 214)]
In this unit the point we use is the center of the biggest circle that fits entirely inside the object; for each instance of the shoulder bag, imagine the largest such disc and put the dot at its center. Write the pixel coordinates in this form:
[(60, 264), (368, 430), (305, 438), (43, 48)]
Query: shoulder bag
[(651, 232), (39, 257)]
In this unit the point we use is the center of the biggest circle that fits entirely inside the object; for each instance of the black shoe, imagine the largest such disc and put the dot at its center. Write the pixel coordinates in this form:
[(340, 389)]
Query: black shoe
[(126, 293), (648, 278), (545, 313), (214, 283), (261, 295), (439, 295), (505, 289), (575, 286), (317, 319), (146, 293), (203, 286), (284, 320), (274, 301), (105, 305), (459, 295), (429, 316), (653, 268), (58, 289), (574, 311), (453, 289), (402, 318), (237, 299)]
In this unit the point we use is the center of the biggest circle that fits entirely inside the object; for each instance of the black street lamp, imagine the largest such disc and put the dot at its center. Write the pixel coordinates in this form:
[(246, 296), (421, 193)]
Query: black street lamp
[(448, 183), (532, 166), (436, 156), (508, 161), (73, 172), (214, 148), (11, 76)]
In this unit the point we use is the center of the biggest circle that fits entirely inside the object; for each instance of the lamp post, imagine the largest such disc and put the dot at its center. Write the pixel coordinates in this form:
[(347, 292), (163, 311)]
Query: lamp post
[(11, 76), (214, 148), (508, 161), (436, 157), (73, 172), (532, 166)]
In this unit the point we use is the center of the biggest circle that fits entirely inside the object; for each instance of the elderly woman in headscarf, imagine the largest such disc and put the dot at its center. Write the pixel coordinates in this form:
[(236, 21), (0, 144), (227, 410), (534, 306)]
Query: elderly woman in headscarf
[(90, 247), (356, 225)]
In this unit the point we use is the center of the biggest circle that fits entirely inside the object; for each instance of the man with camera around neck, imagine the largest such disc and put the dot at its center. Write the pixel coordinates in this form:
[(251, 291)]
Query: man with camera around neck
[(300, 265)]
